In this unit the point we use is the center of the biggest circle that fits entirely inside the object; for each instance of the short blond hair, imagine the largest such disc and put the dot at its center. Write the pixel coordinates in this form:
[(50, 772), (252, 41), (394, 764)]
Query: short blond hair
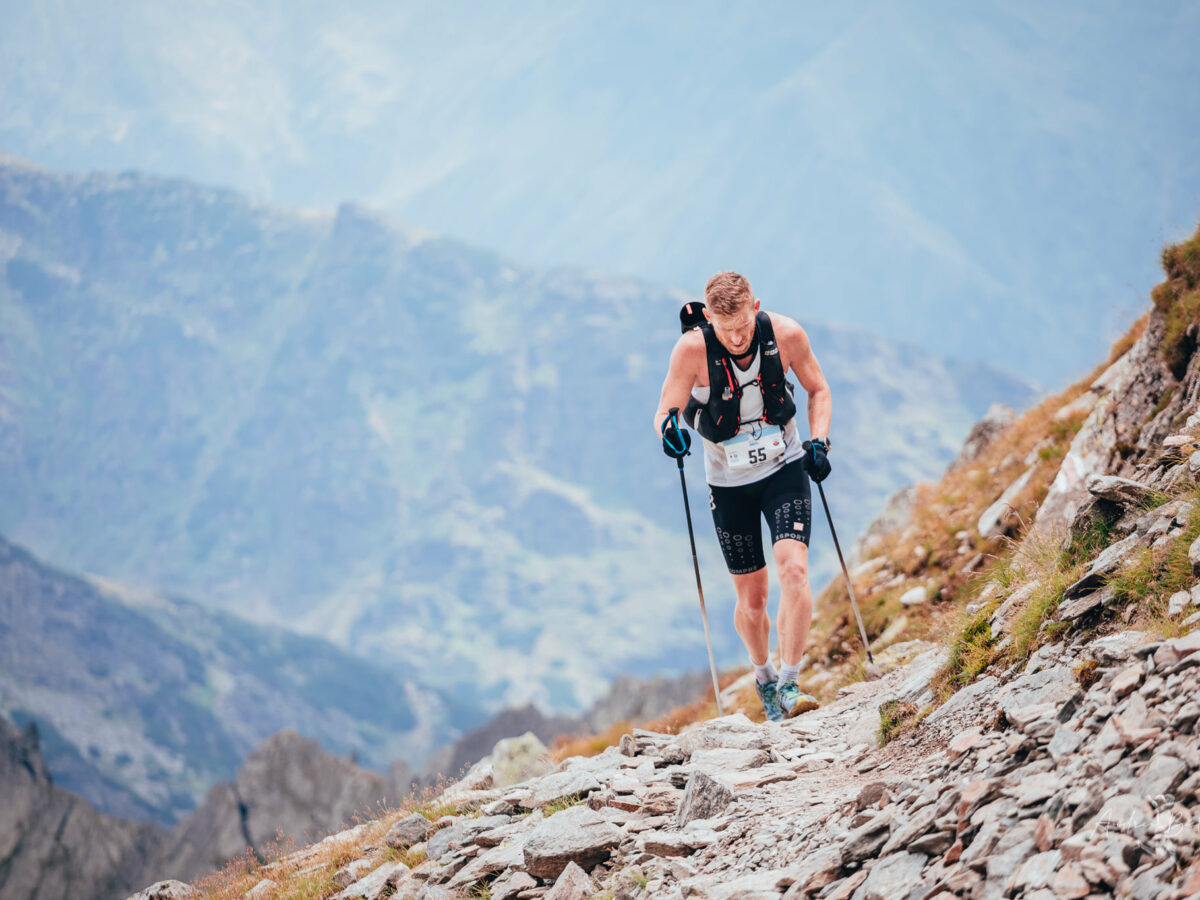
[(726, 292)]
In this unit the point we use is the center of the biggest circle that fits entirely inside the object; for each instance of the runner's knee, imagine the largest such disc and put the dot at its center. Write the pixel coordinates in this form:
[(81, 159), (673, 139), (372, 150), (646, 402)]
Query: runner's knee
[(753, 602), (793, 570)]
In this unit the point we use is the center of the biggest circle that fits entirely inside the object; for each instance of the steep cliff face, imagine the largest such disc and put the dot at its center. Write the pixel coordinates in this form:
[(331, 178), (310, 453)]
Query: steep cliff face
[(288, 789), (52, 843)]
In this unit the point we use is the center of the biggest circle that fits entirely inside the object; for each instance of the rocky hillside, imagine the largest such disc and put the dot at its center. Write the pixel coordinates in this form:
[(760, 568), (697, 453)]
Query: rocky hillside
[(329, 421), (144, 702), (54, 844), (1035, 733)]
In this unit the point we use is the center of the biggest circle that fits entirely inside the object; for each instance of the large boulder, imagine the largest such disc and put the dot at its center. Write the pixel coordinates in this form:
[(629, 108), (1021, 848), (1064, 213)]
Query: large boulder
[(518, 759)]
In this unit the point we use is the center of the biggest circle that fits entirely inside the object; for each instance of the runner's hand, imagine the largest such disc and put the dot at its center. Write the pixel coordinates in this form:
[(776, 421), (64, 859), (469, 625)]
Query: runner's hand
[(676, 441), (816, 460)]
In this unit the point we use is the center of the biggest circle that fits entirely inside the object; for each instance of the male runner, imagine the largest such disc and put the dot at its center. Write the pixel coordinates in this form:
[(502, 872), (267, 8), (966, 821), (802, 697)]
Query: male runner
[(727, 375)]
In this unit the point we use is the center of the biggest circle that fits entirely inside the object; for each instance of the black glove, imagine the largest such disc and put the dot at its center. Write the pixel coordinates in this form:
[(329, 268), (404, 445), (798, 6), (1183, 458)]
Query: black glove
[(677, 442), (816, 460)]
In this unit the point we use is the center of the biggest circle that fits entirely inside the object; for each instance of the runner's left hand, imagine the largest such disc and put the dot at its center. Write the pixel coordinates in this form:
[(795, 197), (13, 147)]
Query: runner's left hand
[(816, 460)]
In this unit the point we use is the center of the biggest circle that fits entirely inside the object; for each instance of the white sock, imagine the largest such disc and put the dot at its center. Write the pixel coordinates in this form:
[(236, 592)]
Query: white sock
[(766, 672), (789, 673)]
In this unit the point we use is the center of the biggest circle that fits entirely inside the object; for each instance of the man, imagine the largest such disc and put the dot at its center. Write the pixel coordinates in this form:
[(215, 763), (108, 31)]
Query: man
[(727, 375)]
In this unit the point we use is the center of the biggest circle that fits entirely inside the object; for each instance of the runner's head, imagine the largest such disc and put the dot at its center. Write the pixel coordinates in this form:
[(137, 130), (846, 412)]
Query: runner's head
[(731, 308)]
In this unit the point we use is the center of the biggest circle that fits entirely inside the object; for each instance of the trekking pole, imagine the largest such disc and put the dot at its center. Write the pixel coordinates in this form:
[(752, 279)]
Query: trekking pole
[(849, 587), (712, 664)]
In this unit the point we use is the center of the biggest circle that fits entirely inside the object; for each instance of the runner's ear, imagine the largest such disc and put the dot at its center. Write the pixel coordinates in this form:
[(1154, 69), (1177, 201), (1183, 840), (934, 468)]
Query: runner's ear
[(690, 316)]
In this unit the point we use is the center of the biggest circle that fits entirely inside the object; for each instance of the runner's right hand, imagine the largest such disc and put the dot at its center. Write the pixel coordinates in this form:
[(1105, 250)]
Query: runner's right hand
[(676, 441)]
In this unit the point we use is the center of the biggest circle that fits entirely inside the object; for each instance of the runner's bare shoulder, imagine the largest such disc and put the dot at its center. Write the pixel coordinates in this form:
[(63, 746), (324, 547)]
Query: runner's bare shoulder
[(690, 352), (789, 334)]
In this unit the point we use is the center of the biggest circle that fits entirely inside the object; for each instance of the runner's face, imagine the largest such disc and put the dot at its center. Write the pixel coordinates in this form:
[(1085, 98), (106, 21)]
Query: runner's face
[(735, 331)]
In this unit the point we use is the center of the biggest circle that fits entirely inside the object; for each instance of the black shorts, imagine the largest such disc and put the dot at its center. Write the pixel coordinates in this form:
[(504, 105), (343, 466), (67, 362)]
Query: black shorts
[(784, 498)]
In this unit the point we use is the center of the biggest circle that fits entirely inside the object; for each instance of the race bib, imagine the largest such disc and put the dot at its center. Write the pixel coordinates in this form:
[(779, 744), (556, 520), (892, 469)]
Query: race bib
[(754, 446)]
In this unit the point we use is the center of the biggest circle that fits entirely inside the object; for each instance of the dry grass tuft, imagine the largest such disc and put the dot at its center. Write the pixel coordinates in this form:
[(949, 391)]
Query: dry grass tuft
[(307, 874)]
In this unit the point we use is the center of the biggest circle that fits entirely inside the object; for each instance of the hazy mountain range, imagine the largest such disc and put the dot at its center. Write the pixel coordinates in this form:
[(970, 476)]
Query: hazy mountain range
[(989, 180), (143, 702), (430, 455)]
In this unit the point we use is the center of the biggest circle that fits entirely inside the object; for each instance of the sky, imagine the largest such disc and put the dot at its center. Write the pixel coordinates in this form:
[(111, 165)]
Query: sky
[(988, 180)]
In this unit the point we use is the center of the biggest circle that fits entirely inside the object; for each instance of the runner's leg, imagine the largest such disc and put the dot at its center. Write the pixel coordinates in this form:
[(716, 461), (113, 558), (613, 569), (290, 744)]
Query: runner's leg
[(750, 618), (787, 505), (795, 601), (736, 513)]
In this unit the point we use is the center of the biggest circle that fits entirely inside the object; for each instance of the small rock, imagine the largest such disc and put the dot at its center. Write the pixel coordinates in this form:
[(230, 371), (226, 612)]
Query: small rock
[(376, 885), (703, 798), (559, 786), (1172, 651), (1178, 603), (1122, 491), (964, 741), (1035, 872), (350, 873), (870, 795), (892, 876), (816, 870), (914, 596), (659, 800), (408, 831), (572, 884), (865, 841), (1109, 560), (167, 890), (439, 843), (1069, 884), (510, 884), (1128, 679), (675, 843)]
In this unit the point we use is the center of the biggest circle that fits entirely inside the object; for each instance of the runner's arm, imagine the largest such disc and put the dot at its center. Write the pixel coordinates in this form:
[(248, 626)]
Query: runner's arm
[(681, 377), (804, 363)]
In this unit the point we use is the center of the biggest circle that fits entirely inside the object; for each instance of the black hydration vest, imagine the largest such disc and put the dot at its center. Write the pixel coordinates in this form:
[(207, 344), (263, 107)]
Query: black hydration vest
[(719, 419)]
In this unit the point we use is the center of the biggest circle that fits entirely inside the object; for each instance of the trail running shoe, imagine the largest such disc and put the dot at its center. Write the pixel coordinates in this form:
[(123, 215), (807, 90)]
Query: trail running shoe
[(794, 701), (768, 693)]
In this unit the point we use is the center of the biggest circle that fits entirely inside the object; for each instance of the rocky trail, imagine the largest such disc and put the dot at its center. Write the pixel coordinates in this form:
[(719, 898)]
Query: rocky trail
[(1029, 787)]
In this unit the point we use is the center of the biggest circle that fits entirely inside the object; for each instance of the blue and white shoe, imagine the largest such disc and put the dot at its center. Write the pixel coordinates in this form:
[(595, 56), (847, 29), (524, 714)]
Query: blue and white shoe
[(793, 701), (768, 693)]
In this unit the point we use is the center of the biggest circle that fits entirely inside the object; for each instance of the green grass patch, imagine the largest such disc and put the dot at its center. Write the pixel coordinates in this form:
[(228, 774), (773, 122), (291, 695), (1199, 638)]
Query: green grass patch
[(1031, 625), (562, 803), (971, 652), (895, 718), (1178, 299)]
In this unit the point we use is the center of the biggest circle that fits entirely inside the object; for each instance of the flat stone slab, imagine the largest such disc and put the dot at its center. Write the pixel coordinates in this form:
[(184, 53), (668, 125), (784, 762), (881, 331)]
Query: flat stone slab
[(723, 759), (577, 834), (560, 786)]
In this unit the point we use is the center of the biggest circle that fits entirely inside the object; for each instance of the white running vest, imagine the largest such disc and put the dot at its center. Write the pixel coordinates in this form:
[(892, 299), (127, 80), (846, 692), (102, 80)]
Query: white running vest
[(716, 471)]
